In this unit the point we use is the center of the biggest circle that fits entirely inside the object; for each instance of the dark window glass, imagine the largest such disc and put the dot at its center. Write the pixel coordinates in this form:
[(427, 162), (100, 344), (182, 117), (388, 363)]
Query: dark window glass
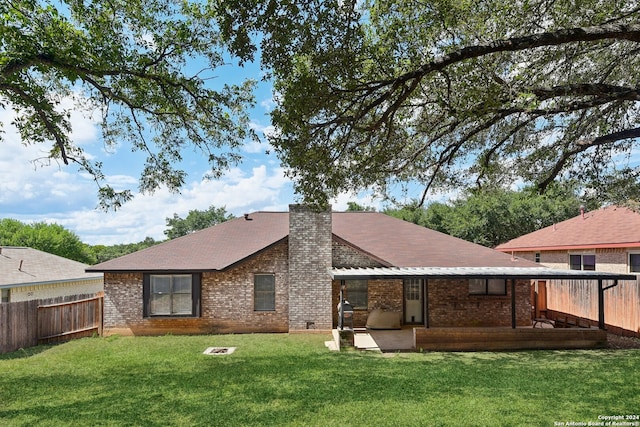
[(582, 262), (589, 262), (496, 287), (477, 287), (487, 287), (171, 295), (575, 262), (634, 263), (264, 292), (357, 293)]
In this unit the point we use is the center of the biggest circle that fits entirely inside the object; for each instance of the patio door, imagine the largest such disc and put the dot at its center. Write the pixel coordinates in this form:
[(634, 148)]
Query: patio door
[(413, 301)]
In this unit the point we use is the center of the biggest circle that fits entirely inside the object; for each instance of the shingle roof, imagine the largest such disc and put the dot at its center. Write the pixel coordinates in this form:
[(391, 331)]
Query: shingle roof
[(403, 244), (391, 241), (21, 266), (214, 248), (608, 227)]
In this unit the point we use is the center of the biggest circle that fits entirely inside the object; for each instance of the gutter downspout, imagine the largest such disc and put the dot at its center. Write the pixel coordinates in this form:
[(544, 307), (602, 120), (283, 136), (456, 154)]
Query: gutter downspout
[(426, 302), (601, 324), (513, 303)]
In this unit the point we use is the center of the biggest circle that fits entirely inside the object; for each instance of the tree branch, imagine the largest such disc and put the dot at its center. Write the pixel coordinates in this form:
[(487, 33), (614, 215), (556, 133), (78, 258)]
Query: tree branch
[(45, 118), (588, 89), (582, 146), (553, 38)]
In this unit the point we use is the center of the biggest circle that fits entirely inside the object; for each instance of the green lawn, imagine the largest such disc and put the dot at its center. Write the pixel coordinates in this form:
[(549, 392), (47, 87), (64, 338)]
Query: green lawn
[(285, 379)]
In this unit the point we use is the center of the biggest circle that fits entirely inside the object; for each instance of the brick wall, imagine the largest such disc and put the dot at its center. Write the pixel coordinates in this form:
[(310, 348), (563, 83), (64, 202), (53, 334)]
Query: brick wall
[(227, 297), (380, 295), (383, 294), (122, 301), (451, 305), (226, 305), (613, 260), (344, 256), (310, 252)]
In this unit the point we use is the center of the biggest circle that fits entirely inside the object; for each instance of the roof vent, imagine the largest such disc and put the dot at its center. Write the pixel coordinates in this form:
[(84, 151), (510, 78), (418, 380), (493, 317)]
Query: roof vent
[(582, 211), (246, 217)]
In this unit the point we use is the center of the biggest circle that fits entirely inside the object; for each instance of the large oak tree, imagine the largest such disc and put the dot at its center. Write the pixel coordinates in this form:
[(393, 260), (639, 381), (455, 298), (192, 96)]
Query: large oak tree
[(447, 93), (439, 93)]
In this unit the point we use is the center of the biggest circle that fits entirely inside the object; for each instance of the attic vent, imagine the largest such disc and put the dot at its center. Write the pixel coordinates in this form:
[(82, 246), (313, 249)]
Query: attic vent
[(215, 351)]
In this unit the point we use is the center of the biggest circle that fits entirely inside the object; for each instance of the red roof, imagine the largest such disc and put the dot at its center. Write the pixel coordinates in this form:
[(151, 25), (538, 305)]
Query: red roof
[(610, 227), (391, 241)]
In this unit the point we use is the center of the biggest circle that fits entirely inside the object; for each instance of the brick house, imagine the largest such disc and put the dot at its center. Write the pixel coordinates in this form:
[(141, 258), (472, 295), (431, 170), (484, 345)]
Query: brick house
[(283, 272), (605, 240)]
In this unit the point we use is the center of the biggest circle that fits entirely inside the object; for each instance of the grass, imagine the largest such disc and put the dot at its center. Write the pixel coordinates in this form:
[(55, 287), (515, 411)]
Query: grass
[(294, 380)]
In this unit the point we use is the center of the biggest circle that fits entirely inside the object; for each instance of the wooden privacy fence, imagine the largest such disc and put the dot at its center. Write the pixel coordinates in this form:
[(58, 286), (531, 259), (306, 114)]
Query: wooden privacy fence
[(28, 323), (580, 298)]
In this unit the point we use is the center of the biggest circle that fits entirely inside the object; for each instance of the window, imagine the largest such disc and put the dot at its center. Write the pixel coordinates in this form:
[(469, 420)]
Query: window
[(171, 295), (538, 257), (634, 263), (5, 295), (582, 262), (264, 292), (356, 292), (412, 289), (487, 287)]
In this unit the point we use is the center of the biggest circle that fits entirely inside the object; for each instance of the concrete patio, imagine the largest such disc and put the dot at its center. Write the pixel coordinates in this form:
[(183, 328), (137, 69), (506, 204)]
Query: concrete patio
[(377, 340)]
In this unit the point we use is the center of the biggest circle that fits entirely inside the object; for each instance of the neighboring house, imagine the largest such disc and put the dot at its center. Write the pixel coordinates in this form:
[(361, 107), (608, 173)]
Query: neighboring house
[(284, 271), (605, 240), (30, 274)]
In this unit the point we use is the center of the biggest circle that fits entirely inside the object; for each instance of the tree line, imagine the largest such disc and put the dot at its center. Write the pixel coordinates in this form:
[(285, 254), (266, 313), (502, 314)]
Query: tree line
[(57, 240)]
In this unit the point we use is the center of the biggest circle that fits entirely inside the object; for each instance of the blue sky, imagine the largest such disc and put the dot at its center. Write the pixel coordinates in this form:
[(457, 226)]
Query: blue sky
[(60, 194)]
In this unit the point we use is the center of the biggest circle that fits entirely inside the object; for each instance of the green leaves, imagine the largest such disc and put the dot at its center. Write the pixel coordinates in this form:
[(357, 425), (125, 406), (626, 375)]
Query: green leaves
[(51, 238), (466, 94), (495, 216), (195, 220), (132, 61)]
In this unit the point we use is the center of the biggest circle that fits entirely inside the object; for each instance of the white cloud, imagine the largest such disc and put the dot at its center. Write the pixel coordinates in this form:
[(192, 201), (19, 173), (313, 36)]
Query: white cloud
[(268, 103), (260, 146), (145, 215), (64, 195), (366, 199)]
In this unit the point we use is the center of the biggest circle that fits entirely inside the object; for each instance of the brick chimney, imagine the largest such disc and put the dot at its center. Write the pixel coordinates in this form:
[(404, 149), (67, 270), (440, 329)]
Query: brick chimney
[(310, 303)]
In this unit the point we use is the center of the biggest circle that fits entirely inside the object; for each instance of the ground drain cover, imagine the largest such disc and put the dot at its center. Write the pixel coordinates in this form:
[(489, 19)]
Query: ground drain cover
[(219, 350)]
